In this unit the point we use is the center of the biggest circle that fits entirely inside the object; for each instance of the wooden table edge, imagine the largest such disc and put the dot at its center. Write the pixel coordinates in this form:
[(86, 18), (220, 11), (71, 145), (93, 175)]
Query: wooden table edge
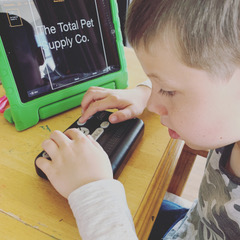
[(150, 205)]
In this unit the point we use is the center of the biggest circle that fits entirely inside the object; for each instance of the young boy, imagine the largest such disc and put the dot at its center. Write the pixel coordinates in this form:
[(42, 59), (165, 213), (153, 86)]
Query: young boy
[(190, 51)]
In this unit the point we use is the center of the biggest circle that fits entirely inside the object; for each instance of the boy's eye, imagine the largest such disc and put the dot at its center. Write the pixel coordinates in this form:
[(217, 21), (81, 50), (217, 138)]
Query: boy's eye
[(167, 93)]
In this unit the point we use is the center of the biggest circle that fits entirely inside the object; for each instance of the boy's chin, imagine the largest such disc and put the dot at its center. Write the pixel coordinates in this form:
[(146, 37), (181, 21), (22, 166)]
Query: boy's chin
[(193, 146), (197, 148)]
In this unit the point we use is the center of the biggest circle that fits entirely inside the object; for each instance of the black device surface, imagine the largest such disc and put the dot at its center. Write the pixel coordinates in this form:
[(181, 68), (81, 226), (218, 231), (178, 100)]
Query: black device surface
[(118, 140)]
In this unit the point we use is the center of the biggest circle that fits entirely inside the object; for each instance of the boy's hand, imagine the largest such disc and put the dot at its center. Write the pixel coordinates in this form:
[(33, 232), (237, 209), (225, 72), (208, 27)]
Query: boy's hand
[(130, 103), (76, 160)]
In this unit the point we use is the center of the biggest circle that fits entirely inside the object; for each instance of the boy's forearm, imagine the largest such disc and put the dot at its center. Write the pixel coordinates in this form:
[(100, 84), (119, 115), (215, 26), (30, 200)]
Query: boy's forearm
[(101, 211)]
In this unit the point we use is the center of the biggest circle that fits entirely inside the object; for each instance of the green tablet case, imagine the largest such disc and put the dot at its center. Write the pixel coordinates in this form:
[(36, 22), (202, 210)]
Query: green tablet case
[(27, 114)]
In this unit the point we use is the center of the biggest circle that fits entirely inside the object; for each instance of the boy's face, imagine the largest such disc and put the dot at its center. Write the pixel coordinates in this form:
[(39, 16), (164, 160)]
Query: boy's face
[(202, 111)]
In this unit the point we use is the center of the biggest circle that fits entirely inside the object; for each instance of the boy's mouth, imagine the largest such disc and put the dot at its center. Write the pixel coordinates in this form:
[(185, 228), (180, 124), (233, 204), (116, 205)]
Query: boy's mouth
[(173, 134)]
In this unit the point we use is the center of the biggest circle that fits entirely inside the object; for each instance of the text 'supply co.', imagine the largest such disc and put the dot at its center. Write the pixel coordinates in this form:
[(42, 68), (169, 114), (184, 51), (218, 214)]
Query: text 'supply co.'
[(67, 42)]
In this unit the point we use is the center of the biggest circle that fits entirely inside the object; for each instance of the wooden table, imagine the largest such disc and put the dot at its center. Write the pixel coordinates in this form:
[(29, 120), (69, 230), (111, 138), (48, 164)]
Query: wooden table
[(31, 209)]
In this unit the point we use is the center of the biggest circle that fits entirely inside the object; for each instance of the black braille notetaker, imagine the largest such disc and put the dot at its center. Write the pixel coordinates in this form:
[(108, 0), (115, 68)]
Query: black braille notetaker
[(118, 140)]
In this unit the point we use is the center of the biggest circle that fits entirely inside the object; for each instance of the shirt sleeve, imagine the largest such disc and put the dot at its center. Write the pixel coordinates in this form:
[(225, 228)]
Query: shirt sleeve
[(101, 211), (146, 83)]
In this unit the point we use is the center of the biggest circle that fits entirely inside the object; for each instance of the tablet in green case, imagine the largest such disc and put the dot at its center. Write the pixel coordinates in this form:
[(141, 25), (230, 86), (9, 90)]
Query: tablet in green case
[(52, 51)]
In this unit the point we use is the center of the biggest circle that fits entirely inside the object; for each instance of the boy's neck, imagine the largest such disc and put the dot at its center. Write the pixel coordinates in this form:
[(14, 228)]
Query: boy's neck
[(233, 165)]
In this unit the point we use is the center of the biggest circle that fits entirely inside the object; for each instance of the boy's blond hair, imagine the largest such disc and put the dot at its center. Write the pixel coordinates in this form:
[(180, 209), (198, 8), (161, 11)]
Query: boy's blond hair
[(206, 32)]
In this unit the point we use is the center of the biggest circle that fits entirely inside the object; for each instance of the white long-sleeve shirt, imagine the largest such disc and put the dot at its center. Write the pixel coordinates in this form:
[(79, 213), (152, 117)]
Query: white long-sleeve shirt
[(101, 211)]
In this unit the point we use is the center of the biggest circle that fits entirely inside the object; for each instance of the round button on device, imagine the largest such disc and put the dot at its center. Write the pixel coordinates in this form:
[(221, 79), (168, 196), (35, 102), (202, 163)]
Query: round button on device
[(80, 124), (105, 124), (45, 155), (84, 130)]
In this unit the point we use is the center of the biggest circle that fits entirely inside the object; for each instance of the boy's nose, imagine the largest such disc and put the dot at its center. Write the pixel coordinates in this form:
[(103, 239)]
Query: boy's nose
[(157, 108)]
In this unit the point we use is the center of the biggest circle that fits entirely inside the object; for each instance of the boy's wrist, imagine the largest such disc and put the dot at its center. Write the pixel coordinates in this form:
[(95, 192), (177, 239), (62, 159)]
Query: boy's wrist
[(94, 184), (145, 91)]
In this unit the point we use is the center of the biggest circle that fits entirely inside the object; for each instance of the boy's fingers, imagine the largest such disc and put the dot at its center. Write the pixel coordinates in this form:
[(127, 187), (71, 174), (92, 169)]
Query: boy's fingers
[(50, 147), (96, 106), (92, 95), (74, 134), (116, 117), (59, 138), (94, 142), (44, 164), (122, 115)]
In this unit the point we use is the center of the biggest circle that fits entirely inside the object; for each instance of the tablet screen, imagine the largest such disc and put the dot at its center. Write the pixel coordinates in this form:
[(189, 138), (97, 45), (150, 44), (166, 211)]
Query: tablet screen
[(54, 44)]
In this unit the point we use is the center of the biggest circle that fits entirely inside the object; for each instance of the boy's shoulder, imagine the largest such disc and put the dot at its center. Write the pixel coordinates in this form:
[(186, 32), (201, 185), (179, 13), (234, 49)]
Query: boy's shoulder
[(217, 208)]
